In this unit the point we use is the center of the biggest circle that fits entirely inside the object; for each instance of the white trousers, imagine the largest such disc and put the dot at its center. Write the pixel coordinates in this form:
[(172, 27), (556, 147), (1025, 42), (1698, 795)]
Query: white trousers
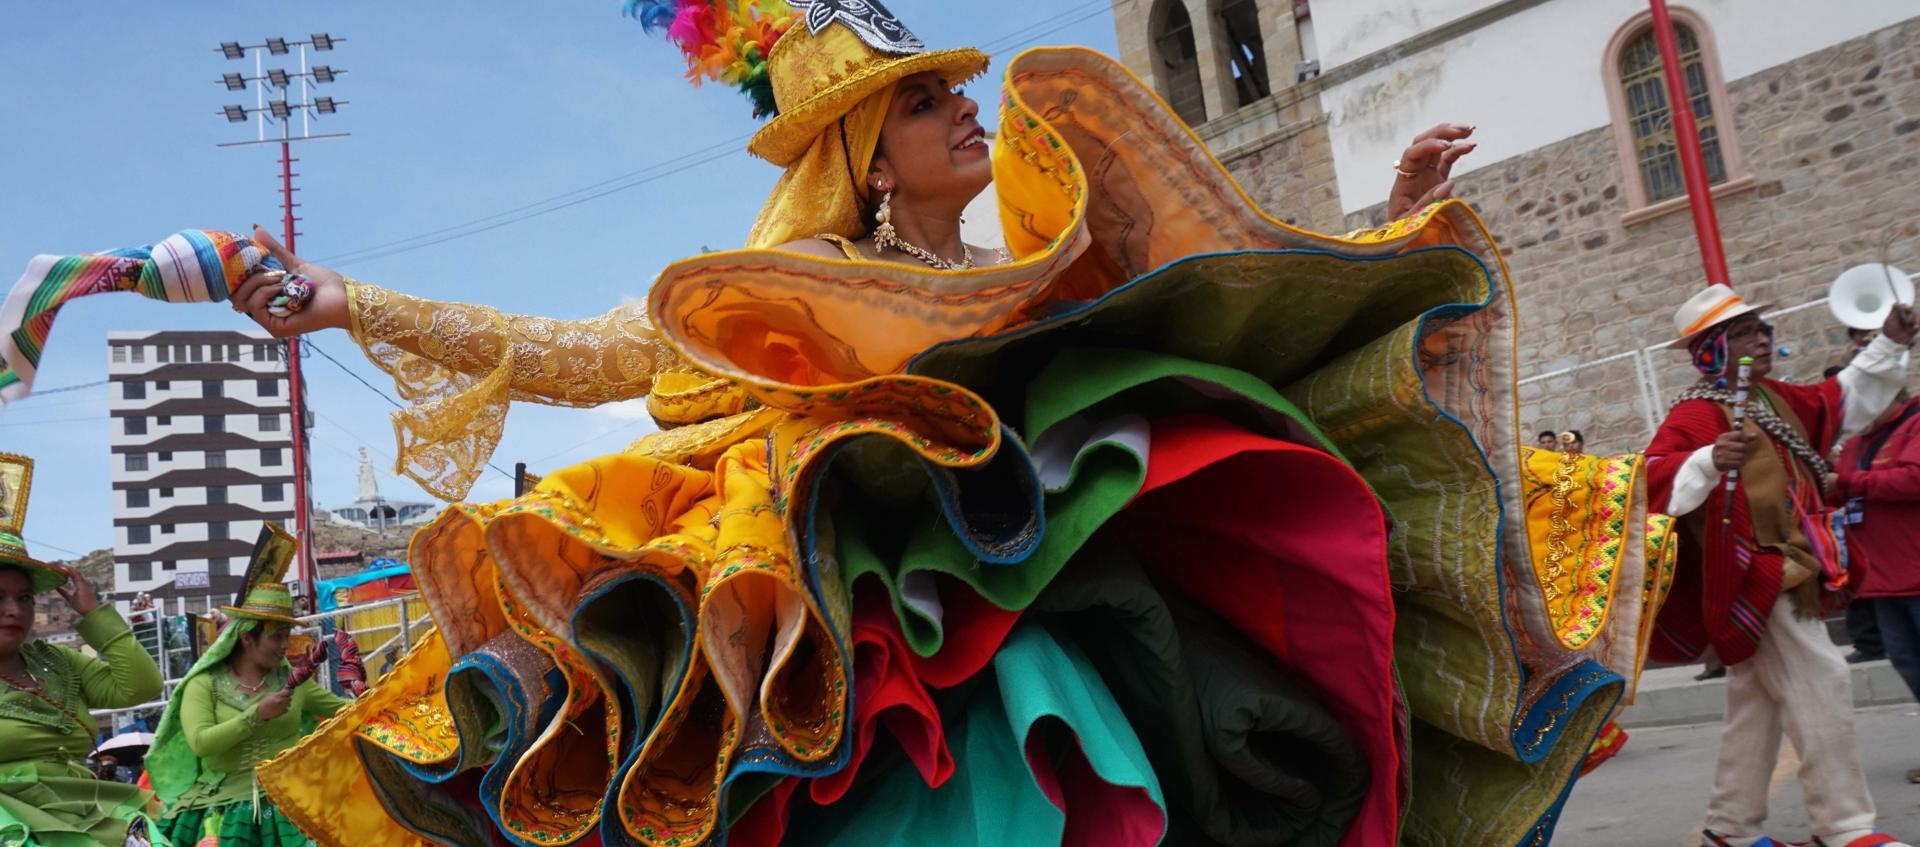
[(1798, 682)]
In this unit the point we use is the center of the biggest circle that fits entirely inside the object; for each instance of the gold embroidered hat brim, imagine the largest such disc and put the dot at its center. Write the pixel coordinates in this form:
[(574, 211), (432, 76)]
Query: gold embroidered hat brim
[(42, 576), (260, 614), (790, 133)]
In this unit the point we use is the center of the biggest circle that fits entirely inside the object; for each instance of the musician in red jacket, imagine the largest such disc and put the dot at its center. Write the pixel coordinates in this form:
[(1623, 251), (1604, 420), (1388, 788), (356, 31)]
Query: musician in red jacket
[(1758, 554), (1878, 480)]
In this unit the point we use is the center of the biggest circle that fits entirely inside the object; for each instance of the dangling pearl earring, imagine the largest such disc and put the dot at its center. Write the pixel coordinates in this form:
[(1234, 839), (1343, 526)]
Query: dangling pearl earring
[(883, 233)]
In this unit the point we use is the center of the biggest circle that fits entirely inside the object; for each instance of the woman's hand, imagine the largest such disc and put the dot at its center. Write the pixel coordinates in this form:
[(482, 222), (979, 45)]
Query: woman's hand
[(327, 309), (273, 705), (1425, 171), (78, 592)]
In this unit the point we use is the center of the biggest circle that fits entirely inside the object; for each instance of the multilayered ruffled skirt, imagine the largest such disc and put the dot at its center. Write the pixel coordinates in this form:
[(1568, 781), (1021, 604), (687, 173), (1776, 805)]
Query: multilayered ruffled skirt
[(1187, 528)]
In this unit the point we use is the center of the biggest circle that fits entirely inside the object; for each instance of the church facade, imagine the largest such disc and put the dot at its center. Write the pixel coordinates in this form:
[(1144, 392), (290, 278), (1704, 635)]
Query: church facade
[(1810, 116)]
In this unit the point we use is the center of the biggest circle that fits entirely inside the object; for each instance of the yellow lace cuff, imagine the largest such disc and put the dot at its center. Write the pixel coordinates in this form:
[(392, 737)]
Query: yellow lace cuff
[(459, 366)]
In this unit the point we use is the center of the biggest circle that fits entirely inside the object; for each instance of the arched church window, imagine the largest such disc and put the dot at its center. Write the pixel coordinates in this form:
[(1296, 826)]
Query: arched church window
[(1179, 62), (1246, 52), (1643, 115)]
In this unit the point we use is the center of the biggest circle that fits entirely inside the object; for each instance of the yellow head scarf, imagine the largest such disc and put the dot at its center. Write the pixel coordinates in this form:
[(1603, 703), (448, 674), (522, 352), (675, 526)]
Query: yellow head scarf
[(823, 190)]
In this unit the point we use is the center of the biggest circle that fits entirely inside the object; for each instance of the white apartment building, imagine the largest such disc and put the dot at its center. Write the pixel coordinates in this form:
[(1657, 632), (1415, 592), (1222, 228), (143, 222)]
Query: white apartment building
[(202, 454)]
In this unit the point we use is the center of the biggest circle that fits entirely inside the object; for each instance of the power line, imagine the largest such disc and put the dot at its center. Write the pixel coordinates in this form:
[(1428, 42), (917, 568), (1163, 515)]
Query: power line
[(375, 389), (659, 170), (384, 455), (1012, 38), (356, 377), (55, 421), (38, 543), (712, 156), (644, 175), (65, 388), (589, 440)]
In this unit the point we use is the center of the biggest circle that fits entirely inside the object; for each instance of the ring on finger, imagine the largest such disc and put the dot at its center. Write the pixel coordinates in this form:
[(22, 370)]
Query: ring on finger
[(1404, 174), (296, 290)]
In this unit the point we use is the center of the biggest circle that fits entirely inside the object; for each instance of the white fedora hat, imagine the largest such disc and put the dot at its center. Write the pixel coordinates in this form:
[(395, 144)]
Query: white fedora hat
[(1712, 306)]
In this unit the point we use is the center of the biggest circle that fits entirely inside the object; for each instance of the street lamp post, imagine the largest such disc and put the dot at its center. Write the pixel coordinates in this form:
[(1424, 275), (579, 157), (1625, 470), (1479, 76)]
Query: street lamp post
[(280, 112)]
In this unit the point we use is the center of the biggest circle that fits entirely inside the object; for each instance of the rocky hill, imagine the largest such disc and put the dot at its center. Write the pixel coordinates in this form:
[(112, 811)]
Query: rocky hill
[(97, 566)]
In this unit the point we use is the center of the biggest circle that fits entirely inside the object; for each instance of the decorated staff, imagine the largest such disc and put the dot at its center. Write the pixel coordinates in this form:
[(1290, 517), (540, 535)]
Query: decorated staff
[(1742, 384)]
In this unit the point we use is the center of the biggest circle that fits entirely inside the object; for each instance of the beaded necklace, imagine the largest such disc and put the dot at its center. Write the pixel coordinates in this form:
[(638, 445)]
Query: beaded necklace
[(39, 690), (1764, 416)]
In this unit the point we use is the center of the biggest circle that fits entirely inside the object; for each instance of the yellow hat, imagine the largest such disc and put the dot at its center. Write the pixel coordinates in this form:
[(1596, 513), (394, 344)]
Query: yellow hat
[(805, 62), (837, 59)]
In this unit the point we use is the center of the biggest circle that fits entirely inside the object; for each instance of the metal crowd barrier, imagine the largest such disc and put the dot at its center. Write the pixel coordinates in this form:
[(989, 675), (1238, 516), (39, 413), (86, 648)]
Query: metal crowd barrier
[(385, 629)]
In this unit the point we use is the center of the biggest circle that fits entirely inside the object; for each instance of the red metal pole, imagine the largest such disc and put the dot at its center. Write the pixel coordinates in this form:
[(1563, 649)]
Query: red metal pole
[(1686, 137), (297, 405)]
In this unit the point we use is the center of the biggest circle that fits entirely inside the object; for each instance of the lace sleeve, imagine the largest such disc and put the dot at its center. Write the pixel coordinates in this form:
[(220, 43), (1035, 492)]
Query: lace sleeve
[(459, 365)]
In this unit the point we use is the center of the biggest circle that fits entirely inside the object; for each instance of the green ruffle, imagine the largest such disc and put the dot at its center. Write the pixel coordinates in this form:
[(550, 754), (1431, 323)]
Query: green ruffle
[(236, 824), (49, 804)]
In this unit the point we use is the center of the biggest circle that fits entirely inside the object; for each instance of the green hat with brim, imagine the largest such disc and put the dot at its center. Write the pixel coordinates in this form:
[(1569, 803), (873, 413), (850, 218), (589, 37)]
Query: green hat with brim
[(13, 553), (270, 601)]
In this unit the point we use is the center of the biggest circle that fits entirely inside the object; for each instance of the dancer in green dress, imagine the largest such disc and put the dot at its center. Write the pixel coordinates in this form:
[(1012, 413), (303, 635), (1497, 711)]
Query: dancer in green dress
[(48, 798), (240, 705)]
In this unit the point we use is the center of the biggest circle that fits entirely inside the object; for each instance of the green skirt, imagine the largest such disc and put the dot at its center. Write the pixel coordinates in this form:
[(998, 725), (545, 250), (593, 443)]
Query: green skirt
[(236, 825), (53, 804)]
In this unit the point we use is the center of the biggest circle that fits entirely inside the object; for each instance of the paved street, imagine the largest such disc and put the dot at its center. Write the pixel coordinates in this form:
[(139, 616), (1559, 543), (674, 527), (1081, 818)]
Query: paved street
[(1655, 792)]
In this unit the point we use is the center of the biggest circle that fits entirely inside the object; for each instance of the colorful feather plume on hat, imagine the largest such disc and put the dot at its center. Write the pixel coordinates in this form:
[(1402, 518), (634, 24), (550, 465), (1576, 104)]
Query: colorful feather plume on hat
[(724, 40)]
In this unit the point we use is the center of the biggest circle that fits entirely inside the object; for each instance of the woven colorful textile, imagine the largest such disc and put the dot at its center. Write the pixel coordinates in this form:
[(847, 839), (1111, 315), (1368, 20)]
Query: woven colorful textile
[(193, 266), (352, 671)]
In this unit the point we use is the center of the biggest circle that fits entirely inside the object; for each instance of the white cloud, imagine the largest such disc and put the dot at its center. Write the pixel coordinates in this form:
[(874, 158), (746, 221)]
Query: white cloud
[(625, 410)]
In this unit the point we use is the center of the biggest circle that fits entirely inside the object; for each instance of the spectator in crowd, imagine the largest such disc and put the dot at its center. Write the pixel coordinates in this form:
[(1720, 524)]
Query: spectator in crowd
[(1878, 478), (1863, 630), (1857, 340), (1573, 442), (1547, 440)]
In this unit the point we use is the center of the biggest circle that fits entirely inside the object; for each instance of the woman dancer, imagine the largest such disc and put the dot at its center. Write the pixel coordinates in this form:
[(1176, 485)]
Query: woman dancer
[(47, 795), (236, 708), (967, 496)]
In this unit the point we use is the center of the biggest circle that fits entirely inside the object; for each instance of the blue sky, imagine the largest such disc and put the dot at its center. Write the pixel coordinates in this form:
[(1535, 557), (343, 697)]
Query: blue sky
[(458, 112)]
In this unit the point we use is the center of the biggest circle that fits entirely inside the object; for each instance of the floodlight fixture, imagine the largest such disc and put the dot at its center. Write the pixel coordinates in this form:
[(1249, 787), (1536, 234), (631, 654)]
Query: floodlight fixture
[(234, 82), (324, 73), (322, 41), (232, 50), (279, 109), (235, 114), (277, 77), (277, 46), (325, 105)]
